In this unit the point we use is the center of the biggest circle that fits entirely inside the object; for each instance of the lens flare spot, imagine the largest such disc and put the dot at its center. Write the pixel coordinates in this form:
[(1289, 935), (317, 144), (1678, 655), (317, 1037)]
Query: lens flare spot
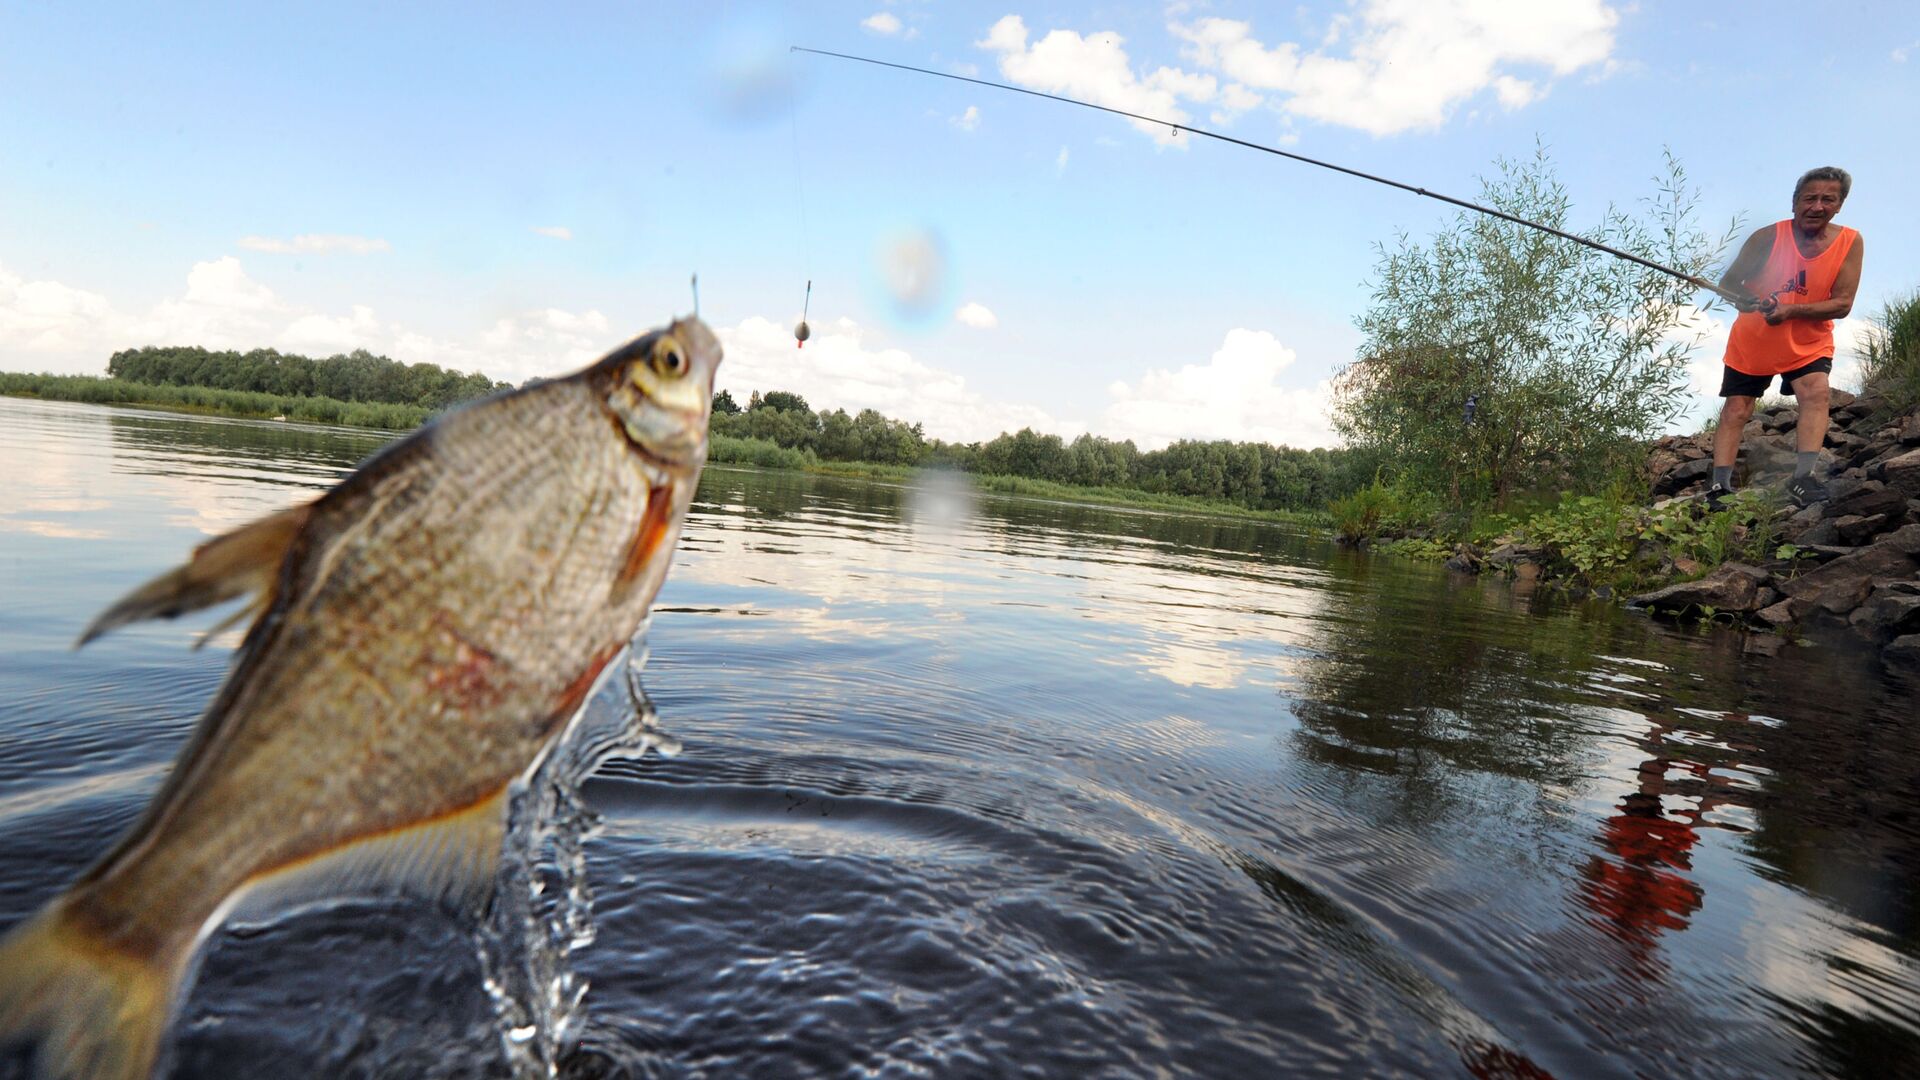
[(914, 271)]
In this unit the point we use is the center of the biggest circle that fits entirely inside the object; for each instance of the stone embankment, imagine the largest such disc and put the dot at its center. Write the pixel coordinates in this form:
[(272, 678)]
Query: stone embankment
[(1856, 564)]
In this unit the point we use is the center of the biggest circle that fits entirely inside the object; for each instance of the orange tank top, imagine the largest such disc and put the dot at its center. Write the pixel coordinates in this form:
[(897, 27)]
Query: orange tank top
[(1756, 348)]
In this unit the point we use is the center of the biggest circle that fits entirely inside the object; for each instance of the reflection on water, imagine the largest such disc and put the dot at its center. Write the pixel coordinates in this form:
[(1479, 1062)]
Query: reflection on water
[(977, 784)]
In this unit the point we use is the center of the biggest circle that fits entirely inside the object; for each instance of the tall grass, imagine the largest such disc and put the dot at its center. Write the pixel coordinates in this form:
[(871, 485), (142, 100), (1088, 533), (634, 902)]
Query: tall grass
[(1381, 507), (1891, 359), (1361, 515), (94, 390), (763, 453)]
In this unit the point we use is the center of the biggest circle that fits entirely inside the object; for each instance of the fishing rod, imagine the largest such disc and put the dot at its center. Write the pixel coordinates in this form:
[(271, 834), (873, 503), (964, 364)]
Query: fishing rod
[(1730, 295)]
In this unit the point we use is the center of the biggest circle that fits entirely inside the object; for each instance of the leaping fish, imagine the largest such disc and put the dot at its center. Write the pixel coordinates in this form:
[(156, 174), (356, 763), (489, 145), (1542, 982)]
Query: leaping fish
[(424, 632)]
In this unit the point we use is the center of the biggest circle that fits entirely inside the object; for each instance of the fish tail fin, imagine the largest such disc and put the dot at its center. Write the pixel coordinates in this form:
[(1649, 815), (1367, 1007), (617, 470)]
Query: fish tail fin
[(246, 560), (96, 1012)]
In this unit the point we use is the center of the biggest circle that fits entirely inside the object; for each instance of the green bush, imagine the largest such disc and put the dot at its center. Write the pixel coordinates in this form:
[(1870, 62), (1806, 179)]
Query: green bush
[(1498, 358), (1361, 515), (1595, 535), (1611, 539)]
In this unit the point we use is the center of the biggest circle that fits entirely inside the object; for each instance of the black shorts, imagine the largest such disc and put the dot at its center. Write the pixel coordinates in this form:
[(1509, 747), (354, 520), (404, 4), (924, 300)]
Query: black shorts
[(1740, 384)]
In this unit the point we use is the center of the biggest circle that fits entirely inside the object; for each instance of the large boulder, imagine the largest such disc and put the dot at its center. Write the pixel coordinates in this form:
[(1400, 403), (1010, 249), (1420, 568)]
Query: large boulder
[(1870, 498), (1841, 487), (1843, 444), (1768, 458), (1841, 585), (1867, 403), (1885, 443), (1855, 530), (1817, 534), (1733, 587), (1464, 559), (1893, 609), (1683, 476), (1512, 553), (1902, 473), (1903, 650), (1671, 451)]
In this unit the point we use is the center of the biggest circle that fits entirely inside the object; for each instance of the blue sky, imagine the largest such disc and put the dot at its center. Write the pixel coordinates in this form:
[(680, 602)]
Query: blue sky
[(516, 190)]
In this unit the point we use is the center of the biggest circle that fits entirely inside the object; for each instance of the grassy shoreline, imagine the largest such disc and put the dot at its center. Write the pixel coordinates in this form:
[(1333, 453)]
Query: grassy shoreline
[(95, 390), (724, 450), (1612, 543)]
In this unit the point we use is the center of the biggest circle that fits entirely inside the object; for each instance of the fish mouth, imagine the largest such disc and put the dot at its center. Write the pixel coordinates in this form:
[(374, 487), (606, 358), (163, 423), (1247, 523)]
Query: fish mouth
[(666, 438)]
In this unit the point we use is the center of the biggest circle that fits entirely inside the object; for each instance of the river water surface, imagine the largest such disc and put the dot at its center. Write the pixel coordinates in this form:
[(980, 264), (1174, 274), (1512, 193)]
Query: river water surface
[(984, 786)]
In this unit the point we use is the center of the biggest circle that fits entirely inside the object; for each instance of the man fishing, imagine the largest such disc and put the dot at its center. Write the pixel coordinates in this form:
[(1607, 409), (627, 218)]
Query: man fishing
[(1796, 277)]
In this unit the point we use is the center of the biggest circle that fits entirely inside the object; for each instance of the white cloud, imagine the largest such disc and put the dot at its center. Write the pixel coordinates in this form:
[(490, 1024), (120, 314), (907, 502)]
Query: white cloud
[(1514, 93), (1235, 395), (558, 232), (976, 315), (841, 368), (1096, 69), (48, 325), (967, 121), (1407, 65), (316, 244), (49, 317), (1060, 161), (1237, 98), (222, 308), (1900, 54), (884, 23), (323, 335)]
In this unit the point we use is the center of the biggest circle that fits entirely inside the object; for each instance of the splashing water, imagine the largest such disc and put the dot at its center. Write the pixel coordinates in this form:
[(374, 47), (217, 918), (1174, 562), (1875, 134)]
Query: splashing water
[(542, 910)]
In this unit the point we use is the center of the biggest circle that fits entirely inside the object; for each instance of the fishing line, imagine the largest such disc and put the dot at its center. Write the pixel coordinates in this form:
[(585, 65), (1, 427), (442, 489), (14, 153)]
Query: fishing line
[(801, 332), (1728, 294)]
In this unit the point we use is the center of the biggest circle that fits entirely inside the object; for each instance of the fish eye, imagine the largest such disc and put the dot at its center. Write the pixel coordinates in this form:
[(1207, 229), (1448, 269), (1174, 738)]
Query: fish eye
[(669, 358)]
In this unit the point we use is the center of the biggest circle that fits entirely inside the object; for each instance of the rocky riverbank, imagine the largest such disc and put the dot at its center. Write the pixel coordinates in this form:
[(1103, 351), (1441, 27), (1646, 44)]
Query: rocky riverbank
[(1852, 563)]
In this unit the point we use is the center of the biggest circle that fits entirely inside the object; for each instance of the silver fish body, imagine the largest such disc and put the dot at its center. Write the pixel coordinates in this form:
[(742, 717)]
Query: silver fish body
[(425, 631)]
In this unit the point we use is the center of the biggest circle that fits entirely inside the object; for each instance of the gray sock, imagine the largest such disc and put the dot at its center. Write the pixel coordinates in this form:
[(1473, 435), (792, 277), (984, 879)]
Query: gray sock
[(1723, 476), (1807, 460)]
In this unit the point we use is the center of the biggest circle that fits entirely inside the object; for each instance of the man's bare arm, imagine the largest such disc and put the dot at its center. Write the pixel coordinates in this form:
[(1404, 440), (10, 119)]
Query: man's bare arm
[(1753, 256), (1846, 284)]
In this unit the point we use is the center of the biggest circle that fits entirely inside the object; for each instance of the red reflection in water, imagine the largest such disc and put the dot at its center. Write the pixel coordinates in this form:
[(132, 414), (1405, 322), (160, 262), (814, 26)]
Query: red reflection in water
[(1642, 886), (1642, 889), (1487, 1061)]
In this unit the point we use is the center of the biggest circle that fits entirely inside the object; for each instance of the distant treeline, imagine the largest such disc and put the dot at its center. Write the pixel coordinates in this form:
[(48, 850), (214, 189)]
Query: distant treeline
[(1253, 475), (95, 390), (358, 376)]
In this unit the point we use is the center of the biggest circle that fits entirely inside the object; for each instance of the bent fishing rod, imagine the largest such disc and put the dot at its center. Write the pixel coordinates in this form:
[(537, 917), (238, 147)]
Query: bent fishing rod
[(1729, 295)]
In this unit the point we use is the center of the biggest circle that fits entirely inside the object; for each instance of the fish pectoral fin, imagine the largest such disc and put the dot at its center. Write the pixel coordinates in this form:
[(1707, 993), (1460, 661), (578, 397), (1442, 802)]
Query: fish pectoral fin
[(246, 560), (450, 860)]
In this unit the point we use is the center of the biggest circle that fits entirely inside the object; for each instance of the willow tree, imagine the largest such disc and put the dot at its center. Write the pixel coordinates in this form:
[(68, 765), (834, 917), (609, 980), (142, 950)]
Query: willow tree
[(1499, 358)]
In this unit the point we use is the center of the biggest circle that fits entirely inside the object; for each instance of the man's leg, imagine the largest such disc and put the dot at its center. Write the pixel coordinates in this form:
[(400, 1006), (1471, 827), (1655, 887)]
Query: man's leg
[(1726, 437), (1815, 398)]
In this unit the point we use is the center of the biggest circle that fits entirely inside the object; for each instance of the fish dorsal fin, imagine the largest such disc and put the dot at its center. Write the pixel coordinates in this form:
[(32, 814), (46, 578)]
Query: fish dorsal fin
[(451, 860), (246, 560)]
